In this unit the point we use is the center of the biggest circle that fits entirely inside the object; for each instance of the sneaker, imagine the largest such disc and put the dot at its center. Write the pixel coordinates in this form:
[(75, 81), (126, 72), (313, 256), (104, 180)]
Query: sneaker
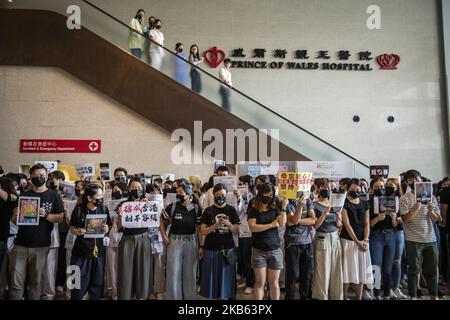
[(399, 294), (377, 298), (248, 290), (241, 285), (59, 289), (367, 295), (419, 293)]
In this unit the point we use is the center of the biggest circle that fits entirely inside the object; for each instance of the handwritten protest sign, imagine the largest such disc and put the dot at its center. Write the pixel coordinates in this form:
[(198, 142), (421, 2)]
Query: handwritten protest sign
[(144, 214)]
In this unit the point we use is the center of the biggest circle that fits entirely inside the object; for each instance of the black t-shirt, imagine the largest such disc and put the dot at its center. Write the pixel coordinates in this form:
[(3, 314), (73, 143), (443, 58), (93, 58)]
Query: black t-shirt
[(40, 235), (357, 218), (82, 247), (130, 231), (382, 225), (221, 238), (6, 213), (269, 239), (184, 219), (444, 198)]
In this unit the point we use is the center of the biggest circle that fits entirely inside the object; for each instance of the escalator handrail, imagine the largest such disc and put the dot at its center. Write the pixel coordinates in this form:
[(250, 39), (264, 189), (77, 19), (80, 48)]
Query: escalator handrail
[(220, 81)]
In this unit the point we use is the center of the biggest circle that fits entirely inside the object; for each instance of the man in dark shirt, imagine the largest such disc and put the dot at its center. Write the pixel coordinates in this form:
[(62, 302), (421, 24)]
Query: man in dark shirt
[(32, 243)]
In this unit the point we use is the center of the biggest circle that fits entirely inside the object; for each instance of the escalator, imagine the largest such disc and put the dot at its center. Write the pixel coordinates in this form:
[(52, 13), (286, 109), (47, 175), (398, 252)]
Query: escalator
[(35, 34)]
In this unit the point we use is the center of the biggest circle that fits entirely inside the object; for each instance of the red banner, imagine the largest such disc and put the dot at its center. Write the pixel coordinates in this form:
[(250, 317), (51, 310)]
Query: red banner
[(60, 146)]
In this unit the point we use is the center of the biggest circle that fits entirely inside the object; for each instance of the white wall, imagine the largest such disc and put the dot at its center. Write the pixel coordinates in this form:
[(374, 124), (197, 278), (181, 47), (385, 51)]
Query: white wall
[(324, 102), (41, 103)]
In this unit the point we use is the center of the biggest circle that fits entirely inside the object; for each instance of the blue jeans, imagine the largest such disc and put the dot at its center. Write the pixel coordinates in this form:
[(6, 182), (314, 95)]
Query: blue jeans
[(397, 272), (382, 254)]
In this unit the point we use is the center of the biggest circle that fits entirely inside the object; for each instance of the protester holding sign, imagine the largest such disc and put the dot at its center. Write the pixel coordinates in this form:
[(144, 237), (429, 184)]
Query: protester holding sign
[(382, 238), (421, 241), (327, 278), (218, 223), (264, 219), (32, 243), (134, 261), (88, 253), (298, 246), (356, 262)]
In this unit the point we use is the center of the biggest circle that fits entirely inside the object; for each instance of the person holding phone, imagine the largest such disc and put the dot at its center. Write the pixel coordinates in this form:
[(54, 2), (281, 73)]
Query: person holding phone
[(218, 224), (327, 276), (89, 254), (421, 240)]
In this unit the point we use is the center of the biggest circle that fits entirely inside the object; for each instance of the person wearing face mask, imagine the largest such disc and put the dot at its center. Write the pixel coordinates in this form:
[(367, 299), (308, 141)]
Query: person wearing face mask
[(356, 262), (343, 184), (421, 241), (298, 246), (264, 219), (119, 192), (195, 59), (134, 254), (393, 189), (382, 238), (32, 244), (208, 201), (89, 254), (179, 64), (182, 243), (120, 175), (327, 275), (136, 39), (218, 224), (156, 45)]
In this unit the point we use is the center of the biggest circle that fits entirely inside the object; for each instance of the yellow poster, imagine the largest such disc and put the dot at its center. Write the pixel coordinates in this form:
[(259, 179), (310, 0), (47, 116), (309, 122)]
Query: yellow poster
[(291, 183)]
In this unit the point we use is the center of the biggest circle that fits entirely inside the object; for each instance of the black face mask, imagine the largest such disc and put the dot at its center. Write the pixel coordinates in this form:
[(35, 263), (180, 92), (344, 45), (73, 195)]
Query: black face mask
[(390, 190), (116, 195), (324, 193), (121, 179), (180, 50), (378, 192), (220, 200), (266, 199), (158, 27), (353, 194), (38, 181), (180, 198), (341, 189), (137, 193), (99, 202), (77, 192)]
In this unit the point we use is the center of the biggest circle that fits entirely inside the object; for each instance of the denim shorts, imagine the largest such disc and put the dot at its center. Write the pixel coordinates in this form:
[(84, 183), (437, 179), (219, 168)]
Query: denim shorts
[(267, 259)]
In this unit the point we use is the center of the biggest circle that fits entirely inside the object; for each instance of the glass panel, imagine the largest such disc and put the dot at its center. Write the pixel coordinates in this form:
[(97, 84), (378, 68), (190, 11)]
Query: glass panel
[(212, 89)]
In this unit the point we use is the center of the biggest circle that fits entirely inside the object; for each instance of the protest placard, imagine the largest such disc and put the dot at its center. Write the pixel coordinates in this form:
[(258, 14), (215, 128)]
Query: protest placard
[(337, 200), (385, 204), (28, 214), (334, 170), (290, 184), (423, 191), (49, 165), (141, 214), (94, 226), (230, 182), (85, 169), (379, 171), (105, 172)]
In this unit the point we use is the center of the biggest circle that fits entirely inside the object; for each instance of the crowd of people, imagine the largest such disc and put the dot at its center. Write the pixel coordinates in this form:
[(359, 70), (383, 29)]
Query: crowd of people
[(153, 53), (209, 246)]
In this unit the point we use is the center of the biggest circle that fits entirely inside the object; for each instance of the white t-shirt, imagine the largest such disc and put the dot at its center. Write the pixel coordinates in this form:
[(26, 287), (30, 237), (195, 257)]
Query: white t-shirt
[(225, 75), (158, 37)]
